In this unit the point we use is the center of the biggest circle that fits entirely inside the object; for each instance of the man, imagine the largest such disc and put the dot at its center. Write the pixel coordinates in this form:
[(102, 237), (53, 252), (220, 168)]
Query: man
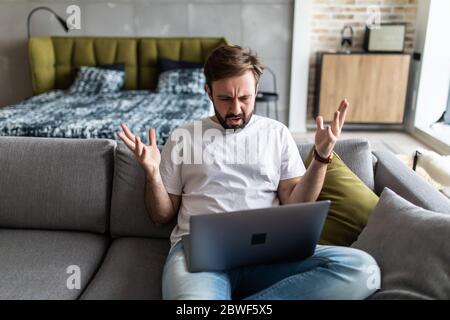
[(276, 175)]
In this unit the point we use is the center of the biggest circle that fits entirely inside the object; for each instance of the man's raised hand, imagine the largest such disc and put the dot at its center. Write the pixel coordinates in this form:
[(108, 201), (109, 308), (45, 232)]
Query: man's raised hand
[(148, 155), (326, 137)]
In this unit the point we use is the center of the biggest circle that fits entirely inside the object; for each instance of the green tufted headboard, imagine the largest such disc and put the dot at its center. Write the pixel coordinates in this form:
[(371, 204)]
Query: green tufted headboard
[(54, 60)]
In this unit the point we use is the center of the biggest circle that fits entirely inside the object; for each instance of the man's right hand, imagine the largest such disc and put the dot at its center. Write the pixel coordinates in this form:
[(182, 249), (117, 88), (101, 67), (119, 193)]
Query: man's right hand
[(148, 155)]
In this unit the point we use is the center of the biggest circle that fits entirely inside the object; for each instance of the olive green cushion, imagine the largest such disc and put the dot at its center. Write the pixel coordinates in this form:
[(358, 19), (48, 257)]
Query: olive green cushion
[(54, 61), (352, 202)]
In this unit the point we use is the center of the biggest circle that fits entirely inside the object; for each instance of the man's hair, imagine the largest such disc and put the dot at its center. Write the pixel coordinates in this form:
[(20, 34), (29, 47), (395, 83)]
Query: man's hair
[(229, 61)]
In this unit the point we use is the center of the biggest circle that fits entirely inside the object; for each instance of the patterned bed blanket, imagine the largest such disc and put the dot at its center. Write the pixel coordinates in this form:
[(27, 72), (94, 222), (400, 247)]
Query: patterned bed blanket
[(58, 114)]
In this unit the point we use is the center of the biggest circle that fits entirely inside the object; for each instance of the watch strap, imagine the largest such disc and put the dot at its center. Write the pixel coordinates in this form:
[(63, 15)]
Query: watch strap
[(321, 159)]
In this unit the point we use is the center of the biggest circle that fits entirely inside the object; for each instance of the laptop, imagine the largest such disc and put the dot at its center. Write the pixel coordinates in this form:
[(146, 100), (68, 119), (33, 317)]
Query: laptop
[(223, 241)]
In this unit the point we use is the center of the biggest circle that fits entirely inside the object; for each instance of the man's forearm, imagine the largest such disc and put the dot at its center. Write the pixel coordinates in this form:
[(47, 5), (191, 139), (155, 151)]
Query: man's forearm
[(157, 200), (309, 187)]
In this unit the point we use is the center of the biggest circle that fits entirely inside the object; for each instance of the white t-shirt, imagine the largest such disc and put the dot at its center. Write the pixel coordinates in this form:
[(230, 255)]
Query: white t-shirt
[(217, 170)]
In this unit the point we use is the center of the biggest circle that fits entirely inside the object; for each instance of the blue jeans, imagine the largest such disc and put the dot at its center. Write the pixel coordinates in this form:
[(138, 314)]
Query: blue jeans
[(331, 273)]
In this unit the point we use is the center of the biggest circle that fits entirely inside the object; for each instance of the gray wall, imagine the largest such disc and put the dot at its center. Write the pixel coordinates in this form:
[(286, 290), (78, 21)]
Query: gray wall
[(263, 25)]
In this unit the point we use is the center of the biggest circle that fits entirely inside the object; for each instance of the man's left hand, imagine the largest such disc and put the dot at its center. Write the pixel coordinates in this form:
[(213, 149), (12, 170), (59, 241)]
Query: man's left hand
[(326, 137)]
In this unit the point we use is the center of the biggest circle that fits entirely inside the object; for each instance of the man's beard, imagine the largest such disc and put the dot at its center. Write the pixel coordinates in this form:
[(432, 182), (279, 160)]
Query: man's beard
[(223, 121)]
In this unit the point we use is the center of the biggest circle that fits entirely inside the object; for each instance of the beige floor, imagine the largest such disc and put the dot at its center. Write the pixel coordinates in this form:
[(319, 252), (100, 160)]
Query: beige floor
[(398, 142)]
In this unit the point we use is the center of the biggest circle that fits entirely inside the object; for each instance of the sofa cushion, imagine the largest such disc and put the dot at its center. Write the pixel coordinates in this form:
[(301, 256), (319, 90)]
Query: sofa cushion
[(54, 183), (355, 153), (129, 216), (132, 270), (352, 202), (411, 247), (128, 213), (33, 263)]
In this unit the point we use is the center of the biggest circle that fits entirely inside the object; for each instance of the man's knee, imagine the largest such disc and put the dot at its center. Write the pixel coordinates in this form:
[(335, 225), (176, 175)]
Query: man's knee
[(197, 286), (196, 296), (365, 273), (205, 293), (357, 269)]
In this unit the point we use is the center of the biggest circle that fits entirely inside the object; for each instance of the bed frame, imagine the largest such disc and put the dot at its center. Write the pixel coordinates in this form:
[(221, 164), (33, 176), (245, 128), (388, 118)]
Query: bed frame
[(54, 60)]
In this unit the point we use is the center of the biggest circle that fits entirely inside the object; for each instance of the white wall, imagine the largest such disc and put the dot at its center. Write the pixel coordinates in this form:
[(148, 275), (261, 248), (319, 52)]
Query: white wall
[(434, 76), (300, 66), (263, 25)]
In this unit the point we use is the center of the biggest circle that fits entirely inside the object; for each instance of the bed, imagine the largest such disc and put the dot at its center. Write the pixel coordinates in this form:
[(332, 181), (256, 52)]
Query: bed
[(54, 63), (58, 114)]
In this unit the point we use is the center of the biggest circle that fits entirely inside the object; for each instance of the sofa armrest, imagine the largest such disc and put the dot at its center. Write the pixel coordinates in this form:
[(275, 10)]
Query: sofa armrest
[(392, 173)]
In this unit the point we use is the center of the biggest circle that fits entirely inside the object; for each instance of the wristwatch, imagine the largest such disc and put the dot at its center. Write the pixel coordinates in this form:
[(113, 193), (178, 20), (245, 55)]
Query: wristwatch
[(320, 159)]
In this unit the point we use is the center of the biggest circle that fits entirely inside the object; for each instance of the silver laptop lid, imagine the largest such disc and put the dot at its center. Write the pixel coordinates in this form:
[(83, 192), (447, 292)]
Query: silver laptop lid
[(222, 241)]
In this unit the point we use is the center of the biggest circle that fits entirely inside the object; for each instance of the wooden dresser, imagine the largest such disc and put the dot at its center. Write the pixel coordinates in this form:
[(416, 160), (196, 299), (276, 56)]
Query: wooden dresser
[(374, 84)]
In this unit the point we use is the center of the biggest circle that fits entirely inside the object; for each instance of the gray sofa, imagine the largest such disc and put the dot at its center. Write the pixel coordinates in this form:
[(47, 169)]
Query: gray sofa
[(70, 202)]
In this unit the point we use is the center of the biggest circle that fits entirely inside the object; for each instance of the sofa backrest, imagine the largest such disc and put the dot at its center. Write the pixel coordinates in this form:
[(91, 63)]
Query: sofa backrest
[(393, 174), (128, 213), (54, 60), (129, 216), (356, 154), (55, 184)]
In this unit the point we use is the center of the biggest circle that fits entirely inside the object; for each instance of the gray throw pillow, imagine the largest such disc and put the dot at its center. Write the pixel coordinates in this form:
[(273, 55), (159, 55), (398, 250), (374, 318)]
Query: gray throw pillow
[(411, 247)]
